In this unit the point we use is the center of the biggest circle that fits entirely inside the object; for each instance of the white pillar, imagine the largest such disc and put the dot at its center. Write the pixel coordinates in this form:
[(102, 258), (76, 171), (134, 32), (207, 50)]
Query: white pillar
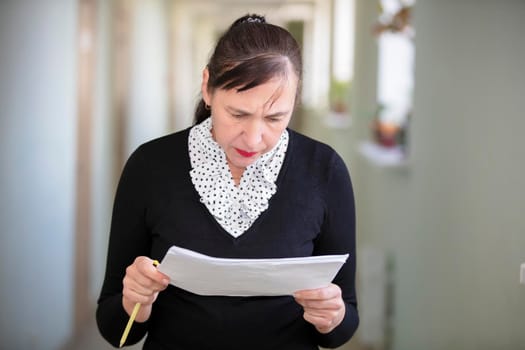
[(316, 56), (103, 176), (343, 49), (148, 102), (182, 62)]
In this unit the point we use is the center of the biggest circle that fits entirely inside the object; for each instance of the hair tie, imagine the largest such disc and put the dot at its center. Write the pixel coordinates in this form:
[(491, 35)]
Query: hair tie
[(254, 20), (250, 19)]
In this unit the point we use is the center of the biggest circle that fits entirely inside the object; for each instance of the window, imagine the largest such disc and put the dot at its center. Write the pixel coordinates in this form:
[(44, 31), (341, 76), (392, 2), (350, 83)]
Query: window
[(395, 83)]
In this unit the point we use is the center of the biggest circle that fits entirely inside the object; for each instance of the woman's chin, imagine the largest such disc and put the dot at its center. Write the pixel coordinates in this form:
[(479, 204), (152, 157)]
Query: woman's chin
[(243, 162)]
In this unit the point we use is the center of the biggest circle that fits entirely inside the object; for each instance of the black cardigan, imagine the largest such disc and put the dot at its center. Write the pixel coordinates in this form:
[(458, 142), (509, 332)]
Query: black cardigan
[(156, 206)]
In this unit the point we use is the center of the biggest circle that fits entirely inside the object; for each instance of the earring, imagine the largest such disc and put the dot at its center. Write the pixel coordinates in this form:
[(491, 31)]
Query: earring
[(207, 106)]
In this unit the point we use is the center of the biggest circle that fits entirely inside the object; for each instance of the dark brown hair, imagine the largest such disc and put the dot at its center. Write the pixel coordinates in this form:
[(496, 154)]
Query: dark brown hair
[(250, 53)]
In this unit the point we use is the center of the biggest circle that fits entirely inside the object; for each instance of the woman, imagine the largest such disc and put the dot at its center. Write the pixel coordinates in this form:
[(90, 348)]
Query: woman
[(238, 184)]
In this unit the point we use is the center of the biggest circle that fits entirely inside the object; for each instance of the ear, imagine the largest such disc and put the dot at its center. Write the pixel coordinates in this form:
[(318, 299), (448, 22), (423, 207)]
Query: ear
[(204, 86)]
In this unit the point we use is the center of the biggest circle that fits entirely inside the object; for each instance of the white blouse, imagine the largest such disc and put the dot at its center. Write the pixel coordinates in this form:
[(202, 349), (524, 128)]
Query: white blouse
[(234, 208)]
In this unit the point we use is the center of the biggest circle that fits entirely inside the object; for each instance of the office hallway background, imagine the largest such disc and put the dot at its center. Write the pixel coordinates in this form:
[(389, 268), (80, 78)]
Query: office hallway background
[(441, 234)]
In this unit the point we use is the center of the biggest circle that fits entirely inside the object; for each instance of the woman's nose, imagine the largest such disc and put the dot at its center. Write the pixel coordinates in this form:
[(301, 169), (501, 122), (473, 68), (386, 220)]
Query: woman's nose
[(253, 132)]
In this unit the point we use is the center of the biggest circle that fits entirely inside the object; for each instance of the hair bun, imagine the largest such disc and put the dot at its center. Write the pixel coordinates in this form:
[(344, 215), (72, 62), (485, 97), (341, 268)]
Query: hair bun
[(253, 18)]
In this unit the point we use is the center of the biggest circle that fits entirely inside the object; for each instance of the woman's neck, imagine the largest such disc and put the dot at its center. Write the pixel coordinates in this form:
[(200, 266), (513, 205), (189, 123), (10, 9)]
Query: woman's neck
[(236, 173)]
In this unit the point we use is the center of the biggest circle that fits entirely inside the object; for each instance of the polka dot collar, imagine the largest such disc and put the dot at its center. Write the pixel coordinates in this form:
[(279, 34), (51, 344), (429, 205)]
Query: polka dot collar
[(234, 208)]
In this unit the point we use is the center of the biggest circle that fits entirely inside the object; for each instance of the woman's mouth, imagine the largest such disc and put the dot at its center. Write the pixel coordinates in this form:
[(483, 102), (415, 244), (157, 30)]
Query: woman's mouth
[(245, 154)]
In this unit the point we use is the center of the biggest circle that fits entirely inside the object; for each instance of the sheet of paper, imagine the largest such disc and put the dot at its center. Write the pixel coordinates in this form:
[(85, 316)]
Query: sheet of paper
[(205, 275)]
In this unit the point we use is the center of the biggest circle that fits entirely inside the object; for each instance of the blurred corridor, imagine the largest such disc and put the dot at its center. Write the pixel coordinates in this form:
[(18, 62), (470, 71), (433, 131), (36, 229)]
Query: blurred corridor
[(441, 231)]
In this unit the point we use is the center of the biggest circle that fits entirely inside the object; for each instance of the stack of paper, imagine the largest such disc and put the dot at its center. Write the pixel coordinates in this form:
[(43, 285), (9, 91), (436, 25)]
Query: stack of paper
[(205, 275)]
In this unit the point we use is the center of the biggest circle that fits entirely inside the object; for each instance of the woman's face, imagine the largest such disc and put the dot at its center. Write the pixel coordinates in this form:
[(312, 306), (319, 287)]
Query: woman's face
[(249, 123)]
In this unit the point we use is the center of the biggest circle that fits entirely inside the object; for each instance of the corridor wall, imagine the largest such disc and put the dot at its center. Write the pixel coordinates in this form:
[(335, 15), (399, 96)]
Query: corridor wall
[(37, 162)]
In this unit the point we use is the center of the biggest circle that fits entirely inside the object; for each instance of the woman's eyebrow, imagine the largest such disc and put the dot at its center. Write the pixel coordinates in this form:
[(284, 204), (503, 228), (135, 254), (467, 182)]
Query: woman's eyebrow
[(243, 112), (277, 114), (237, 110)]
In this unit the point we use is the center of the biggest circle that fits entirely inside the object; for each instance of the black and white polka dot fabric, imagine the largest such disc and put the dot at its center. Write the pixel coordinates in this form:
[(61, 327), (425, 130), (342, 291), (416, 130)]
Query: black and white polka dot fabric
[(234, 208)]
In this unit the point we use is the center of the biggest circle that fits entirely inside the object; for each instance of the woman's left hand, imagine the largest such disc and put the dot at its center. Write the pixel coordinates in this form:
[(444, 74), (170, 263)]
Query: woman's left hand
[(323, 307)]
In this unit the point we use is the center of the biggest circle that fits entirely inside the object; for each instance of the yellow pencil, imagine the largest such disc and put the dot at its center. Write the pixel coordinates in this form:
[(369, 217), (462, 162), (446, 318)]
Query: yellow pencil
[(132, 317)]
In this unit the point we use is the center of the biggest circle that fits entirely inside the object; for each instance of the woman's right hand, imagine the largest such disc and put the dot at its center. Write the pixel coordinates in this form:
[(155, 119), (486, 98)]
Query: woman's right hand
[(142, 284)]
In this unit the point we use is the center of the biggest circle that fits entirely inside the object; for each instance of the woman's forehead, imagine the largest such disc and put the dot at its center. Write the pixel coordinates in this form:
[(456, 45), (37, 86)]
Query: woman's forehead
[(276, 92)]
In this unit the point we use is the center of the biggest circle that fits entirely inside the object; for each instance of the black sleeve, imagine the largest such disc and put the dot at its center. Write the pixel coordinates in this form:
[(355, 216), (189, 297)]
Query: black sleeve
[(129, 238), (338, 237)]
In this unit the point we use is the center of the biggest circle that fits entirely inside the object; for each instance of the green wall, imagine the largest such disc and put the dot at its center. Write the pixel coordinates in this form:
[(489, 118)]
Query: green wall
[(452, 220)]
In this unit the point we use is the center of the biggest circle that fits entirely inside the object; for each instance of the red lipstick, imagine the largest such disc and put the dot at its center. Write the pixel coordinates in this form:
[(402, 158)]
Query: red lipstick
[(245, 154)]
